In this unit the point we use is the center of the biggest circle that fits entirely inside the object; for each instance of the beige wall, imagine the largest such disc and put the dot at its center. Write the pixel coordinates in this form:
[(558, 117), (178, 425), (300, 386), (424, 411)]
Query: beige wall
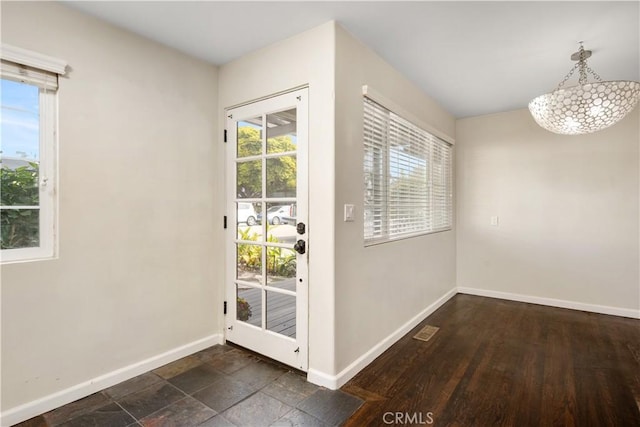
[(567, 207), (378, 288), (354, 301), (306, 59), (142, 176), (138, 266)]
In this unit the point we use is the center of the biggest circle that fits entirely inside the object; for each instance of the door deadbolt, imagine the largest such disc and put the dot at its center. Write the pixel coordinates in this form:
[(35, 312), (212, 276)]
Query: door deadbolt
[(301, 228)]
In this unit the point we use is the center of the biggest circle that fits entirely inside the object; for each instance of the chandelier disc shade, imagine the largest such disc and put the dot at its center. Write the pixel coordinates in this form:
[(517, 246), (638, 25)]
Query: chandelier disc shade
[(587, 107)]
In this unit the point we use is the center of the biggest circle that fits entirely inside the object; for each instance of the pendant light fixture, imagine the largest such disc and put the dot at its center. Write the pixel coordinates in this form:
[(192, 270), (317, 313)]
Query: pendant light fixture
[(587, 107)]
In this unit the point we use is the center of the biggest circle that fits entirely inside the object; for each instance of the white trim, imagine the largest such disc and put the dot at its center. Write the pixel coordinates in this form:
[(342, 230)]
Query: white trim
[(36, 407), (334, 382), (33, 59), (376, 96), (573, 305), (262, 98)]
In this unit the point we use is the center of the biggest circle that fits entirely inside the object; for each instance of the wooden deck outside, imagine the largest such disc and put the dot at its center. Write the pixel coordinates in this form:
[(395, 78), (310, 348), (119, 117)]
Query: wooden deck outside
[(281, 308)]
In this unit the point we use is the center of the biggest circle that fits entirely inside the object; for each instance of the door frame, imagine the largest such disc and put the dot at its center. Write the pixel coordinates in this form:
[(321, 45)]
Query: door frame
[(274, 345)]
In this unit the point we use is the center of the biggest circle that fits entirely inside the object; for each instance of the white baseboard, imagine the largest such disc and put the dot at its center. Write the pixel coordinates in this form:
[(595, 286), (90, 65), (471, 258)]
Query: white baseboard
[(334, 382), (31, 409), (602, 309), (320, 378)]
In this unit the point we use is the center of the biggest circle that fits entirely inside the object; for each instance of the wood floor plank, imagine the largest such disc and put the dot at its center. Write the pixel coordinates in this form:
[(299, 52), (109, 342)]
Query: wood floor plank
[(503, 363)]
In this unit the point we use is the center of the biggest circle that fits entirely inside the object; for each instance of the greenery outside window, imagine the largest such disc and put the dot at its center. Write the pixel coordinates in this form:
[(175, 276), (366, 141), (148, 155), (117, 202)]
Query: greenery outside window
[(27, 161), (407, 178)]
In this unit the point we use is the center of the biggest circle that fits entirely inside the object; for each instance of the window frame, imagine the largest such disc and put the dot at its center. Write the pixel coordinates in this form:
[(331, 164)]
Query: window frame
[(396, 117), (35, 69)]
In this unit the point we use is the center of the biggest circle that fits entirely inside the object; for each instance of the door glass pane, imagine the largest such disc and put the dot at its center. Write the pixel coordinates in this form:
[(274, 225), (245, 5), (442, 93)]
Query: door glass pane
[(282, 233), (250, 137), (281, 132), (20, 228), (249, 179), (281, 314), (248, 221), (281, 176), (249, 305), (281, 222), (281, 268), (249, 263)]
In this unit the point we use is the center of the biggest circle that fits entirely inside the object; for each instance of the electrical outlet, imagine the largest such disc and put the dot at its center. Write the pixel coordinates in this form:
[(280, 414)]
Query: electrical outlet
[(494, 221)]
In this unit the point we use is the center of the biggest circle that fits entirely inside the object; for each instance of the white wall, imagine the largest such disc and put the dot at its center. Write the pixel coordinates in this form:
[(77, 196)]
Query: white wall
[(306, 59), (379, 289), (567, 207), (139, 219)]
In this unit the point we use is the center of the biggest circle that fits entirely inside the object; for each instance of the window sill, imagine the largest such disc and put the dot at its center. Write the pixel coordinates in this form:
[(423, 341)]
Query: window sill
[(24, 257), (377, 242)]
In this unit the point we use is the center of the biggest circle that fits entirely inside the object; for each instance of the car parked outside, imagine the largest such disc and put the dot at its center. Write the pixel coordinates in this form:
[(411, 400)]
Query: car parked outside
[(247, 214), (289, 219), (275, 214)]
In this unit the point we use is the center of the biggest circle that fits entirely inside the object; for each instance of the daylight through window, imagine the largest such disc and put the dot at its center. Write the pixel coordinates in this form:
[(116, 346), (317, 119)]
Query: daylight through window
[(407, 177), (27, 162)]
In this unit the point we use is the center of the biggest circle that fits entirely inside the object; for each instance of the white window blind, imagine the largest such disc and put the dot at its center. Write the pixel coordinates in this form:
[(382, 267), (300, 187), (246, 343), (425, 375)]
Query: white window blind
[(408, 178), (24, 74)]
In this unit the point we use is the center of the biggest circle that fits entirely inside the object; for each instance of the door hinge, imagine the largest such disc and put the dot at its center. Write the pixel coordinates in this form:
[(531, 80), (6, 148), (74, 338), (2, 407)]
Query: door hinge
[(225, 222), (225, 135), (225, 307)]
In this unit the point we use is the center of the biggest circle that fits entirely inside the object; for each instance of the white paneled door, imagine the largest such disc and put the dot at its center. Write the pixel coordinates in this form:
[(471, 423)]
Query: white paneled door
[(267, 258)]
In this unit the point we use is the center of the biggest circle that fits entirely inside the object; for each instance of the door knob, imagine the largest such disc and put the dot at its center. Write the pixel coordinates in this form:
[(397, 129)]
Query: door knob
[(300, 247)]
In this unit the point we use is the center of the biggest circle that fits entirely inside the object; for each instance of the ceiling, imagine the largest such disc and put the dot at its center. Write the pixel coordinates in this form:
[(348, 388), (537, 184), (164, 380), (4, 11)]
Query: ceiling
[(473, 57)]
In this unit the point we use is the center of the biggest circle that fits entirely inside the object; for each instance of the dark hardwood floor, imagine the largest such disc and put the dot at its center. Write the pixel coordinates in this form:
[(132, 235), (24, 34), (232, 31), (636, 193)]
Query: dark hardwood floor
[(503, 363)]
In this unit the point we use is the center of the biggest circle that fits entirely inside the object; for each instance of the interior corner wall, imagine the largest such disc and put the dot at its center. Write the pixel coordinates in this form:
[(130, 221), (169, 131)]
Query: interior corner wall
[(139, 215), (382, 290), (305, 59), (568, 213)]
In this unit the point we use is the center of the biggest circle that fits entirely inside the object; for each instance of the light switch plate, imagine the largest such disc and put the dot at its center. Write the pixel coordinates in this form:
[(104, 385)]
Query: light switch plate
[(349, 213), (494, 221)]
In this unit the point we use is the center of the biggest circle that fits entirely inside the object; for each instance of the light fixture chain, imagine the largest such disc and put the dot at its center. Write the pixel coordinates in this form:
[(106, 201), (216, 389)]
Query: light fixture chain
[(582, 65), (568, 76), (594, 74)]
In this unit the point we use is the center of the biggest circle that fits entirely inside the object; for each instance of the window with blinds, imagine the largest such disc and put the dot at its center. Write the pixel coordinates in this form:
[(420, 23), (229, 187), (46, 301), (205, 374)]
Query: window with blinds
[(29, 83), (407, 177)]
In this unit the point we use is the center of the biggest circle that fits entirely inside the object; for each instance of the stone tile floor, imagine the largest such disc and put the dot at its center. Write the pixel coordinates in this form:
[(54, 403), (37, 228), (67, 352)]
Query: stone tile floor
[(219, 386)]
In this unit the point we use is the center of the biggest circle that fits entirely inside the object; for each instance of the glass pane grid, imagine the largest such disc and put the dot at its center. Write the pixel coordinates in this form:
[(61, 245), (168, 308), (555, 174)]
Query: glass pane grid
[(266, 181)]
